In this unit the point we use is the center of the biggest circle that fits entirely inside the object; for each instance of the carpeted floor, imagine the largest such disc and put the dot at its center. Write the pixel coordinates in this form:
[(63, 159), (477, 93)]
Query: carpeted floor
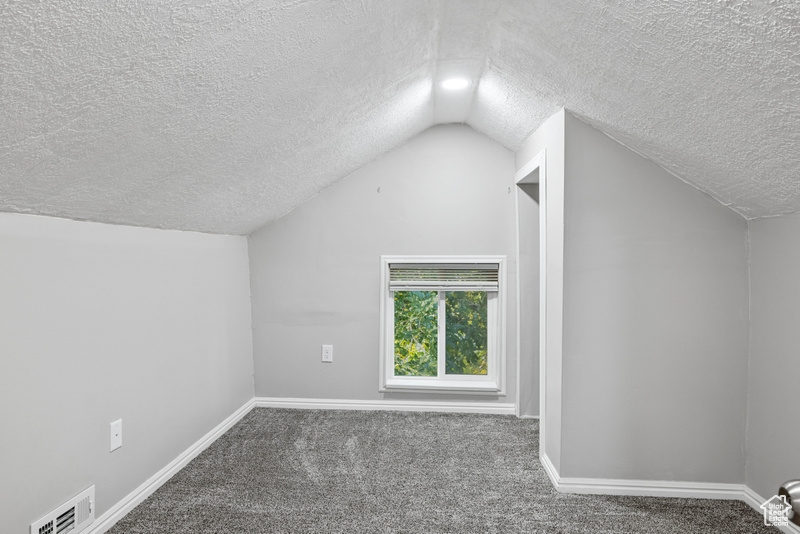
[(291, 471)]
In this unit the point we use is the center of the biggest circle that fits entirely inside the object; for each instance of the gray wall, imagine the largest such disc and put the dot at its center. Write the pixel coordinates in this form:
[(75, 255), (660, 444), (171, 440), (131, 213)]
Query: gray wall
[(550, 138), (102, 322), (655, 321), (773, 455), (315, 273)]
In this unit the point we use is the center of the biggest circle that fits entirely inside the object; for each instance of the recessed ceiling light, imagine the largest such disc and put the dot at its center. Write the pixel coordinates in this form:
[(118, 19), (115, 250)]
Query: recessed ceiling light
[(455, 83)]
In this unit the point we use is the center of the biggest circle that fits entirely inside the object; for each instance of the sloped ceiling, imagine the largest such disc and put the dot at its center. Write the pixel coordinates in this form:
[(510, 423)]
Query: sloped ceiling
[(220, 116)]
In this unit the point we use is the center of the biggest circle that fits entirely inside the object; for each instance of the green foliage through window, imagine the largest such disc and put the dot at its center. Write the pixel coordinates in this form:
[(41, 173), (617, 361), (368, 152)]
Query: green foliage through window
[(415, 333), (466, 318), (416, 329)]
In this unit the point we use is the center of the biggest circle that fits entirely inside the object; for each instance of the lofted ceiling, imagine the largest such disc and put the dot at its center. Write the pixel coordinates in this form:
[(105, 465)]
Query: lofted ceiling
[(220, 116)]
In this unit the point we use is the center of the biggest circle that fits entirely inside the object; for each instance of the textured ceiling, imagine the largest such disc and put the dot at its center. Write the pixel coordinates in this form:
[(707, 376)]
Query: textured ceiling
[(222, 116)]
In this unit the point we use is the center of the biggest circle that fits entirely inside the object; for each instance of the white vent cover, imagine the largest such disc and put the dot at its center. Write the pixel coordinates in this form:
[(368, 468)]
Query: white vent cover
[(72, 516)]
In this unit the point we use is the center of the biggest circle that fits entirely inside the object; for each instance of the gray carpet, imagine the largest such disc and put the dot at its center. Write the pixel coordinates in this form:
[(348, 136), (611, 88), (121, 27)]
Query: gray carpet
[(287, 471)]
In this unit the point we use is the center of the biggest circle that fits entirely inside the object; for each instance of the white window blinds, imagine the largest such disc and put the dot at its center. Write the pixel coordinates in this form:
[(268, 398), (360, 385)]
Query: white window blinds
[(443, 276)]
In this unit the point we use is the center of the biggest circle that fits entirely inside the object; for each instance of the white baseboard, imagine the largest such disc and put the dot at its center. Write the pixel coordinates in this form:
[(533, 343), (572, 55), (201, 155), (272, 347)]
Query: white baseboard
[(650, 488), (118, 511), (658, 488), (752, 498), (755, 501), (394, 405), (550, 469)]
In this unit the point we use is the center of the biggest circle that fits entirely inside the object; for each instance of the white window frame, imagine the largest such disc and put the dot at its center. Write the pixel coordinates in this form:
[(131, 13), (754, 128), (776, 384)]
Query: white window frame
[(492, 383)]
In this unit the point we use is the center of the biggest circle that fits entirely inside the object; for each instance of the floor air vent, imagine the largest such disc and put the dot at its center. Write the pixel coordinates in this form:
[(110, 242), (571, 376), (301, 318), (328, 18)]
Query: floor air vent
[(73, 516)]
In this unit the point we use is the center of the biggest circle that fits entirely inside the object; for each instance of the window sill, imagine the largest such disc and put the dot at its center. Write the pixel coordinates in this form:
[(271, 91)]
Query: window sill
[(482, 386)]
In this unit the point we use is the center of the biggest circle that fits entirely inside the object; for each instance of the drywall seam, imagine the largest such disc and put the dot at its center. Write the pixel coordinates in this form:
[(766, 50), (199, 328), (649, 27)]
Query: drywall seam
[(252, 323), (749, 344)]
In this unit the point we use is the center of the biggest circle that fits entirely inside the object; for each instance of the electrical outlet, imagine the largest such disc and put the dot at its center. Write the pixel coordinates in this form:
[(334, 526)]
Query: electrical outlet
[(327, 353), (116, 435)]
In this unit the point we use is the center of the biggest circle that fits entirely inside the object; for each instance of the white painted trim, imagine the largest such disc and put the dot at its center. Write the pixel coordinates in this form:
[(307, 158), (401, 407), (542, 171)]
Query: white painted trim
[(539, 161), (755, 501), (494, 382), (474, 385), (658, 488), (518, 306), (133, 499), (543, 184), (549, 468), (386, 405), (385, 315), (651, 488)]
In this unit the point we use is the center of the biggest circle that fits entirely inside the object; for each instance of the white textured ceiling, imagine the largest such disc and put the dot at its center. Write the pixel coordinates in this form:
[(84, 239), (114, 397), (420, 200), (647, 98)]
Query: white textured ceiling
[(220, 116)]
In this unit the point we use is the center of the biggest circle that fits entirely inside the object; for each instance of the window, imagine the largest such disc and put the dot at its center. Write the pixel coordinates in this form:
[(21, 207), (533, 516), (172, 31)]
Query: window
[(442, 323)]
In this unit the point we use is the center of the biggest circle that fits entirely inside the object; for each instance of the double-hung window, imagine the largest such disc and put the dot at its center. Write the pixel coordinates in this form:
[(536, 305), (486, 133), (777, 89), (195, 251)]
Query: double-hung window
[(442, 323)]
